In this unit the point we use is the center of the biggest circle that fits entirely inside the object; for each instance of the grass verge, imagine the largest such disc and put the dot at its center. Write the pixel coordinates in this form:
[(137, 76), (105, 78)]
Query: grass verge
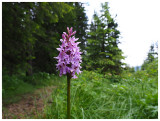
[(96, 97)]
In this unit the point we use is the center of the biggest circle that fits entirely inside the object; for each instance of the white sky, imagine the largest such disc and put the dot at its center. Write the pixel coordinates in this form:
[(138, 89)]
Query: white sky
[(139, 24)]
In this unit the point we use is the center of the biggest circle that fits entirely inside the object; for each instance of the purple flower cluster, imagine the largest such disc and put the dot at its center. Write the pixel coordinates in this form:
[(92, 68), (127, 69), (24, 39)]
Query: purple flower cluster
[(69, 58)]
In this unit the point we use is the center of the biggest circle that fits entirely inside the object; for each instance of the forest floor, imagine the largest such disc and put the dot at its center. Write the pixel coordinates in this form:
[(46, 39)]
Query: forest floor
[(30, 106)]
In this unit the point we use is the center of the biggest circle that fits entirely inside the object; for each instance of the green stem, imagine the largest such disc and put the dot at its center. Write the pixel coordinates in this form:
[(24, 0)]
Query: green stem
[(68, 95)]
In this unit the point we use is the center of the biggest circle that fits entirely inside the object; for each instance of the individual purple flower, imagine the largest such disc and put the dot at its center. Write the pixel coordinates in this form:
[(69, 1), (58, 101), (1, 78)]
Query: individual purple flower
[(69, 58)]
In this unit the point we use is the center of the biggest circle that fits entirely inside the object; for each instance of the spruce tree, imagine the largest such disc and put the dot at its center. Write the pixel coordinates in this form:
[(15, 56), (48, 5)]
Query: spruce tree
[(103, 51)]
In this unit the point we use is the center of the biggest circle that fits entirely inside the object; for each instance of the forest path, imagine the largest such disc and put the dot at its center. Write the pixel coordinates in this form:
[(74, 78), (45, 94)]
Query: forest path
[(30, 106)]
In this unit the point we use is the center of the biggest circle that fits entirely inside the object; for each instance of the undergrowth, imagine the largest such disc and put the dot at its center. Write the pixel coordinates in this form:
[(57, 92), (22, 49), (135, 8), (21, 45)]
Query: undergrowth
[(95, 97), (14, 87)]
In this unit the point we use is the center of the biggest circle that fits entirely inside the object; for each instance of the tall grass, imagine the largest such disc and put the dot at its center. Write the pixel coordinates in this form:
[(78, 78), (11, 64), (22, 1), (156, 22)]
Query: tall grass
[(95, 97)]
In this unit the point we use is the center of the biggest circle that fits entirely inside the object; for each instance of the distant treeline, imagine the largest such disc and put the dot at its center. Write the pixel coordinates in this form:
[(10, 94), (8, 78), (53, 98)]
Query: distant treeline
[(31, 32)]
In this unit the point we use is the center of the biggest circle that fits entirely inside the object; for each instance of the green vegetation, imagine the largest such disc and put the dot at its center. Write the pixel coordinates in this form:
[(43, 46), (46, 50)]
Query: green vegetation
[(102, 44), (14, 87), (93, 96), (32, 30)]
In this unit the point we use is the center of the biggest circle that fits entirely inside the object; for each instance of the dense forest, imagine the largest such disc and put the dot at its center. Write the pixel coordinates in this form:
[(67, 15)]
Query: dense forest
[(107, 88)]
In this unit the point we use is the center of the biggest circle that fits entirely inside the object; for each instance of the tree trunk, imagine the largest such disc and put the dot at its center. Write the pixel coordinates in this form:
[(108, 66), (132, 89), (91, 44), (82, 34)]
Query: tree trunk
[(29, 71)]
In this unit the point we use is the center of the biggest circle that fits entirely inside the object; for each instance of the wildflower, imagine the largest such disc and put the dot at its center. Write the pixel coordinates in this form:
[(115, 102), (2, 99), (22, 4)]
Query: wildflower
[(69, 58)]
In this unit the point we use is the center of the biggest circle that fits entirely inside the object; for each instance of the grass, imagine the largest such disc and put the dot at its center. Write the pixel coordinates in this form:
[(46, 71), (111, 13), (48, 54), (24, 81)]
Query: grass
[(95, 97), (14, 87)]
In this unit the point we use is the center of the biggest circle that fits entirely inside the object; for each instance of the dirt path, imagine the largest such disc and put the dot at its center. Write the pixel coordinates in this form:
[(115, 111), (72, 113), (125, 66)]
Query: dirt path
[(30, 106)]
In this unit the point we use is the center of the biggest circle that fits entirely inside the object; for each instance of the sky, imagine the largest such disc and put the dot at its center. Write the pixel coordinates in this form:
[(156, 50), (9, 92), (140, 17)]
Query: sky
[(139, 24)]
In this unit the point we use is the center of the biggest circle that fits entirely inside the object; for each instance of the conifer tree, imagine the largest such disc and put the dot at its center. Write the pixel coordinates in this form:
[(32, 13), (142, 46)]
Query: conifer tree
[(103, 51)]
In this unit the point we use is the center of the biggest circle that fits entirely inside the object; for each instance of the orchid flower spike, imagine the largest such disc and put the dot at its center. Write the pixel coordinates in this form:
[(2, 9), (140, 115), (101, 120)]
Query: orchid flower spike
[(69, 58)]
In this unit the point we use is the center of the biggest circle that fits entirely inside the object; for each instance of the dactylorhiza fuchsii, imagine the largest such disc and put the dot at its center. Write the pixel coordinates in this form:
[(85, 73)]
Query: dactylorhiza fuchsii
[(69, 58)]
